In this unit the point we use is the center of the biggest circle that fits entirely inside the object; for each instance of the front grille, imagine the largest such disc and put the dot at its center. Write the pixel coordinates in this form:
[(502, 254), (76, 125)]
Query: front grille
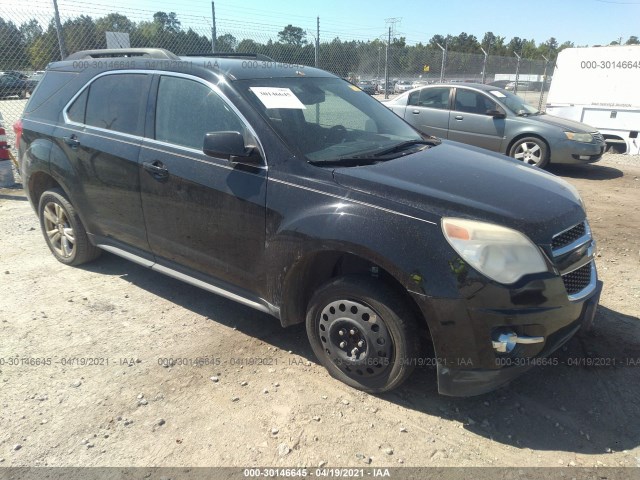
[(568, 236), (577, 280)]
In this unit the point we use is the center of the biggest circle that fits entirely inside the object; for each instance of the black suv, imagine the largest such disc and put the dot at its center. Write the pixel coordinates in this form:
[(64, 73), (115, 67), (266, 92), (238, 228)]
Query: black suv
[(292, 191)]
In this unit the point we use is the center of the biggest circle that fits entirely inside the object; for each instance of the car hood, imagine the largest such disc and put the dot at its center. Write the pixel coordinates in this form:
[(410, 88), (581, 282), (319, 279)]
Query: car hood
[(453, 179), (564, 123)]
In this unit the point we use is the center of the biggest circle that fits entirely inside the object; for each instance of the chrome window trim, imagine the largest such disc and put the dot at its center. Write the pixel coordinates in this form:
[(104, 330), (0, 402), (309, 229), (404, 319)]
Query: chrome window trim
[(158, 72)]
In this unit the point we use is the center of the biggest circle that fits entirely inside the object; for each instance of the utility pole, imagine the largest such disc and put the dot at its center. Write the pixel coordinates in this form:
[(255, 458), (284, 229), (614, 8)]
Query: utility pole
[(213, 29), (544, 81), (386, 67), (515, 89), (444, 54), (484, 66), (392, 30), (317, 39), (63, 50)]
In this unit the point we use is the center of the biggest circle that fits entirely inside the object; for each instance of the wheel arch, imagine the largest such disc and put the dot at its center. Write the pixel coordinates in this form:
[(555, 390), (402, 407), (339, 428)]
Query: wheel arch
[(40, 182), (318, 268), (520, 136)]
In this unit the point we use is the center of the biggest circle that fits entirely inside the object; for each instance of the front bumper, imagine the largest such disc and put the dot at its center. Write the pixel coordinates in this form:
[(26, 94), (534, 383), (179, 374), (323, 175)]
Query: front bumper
[(467, 364), (572, 152)]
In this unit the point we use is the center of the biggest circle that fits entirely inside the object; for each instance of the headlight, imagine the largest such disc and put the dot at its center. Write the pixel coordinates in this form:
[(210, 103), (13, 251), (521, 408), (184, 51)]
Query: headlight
[(579, 137), (500, 253)]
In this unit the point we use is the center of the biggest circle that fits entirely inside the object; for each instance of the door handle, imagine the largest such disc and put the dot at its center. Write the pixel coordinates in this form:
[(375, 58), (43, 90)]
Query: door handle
[(416, 112), (72, 141), (459, 117), (156, 168)]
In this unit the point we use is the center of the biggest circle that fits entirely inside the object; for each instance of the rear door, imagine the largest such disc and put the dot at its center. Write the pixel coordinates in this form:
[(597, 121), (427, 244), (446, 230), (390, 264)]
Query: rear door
[(202, 213), (470, 123), (428, 110), (101, 138)]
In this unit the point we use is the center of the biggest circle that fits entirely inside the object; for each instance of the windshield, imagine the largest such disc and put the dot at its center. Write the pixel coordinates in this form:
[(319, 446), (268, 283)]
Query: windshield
[(514, 103), (326, 119)]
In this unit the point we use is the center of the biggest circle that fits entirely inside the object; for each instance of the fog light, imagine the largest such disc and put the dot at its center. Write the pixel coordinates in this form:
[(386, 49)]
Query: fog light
[(507, 341)]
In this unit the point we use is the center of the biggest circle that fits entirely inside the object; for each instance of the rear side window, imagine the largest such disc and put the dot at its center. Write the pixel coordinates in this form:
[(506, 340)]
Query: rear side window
[(118, 102), (430, 98), (48, 90), (186, 110), (76, 111)]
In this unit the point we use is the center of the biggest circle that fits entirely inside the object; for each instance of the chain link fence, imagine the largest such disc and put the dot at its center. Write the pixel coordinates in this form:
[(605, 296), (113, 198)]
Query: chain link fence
[(30, 40)]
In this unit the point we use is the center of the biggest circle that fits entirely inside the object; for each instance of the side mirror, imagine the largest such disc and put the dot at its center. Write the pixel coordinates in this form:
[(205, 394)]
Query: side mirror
[(497, 113), (230, 145)]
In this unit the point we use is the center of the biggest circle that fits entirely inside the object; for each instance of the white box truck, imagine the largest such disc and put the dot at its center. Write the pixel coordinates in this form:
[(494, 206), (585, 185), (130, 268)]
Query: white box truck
[(600, 86)]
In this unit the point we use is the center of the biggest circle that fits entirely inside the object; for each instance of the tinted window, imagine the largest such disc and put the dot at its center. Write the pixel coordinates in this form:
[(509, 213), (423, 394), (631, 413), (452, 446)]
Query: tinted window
[(473, 102), (77, 109), (51, 89), (431, 98), (186, 110), (117, 102)]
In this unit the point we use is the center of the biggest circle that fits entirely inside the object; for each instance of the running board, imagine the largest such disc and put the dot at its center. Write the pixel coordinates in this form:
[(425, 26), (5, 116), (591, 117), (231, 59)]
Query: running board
[(270, 309)]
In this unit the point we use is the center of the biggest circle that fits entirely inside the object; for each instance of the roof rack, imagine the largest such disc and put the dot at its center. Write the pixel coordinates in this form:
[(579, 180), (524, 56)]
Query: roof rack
[(257, 56), (159, 53)]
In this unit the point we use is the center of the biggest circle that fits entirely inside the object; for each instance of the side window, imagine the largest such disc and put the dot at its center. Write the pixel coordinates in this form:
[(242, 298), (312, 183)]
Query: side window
[(118, 102), (432, 98), (76, 111), (414, 97), (186, 110), (473, 102)]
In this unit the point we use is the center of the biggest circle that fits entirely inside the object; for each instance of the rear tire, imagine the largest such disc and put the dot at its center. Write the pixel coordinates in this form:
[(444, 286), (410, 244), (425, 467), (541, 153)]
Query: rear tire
[(63, 231), (363, 333)]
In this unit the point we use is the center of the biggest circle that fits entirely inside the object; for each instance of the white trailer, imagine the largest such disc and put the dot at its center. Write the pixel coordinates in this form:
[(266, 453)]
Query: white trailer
[(600, 86)]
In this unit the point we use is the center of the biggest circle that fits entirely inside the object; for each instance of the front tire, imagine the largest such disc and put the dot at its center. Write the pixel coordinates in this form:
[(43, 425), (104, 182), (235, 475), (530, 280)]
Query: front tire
[(63, 231), (363, 333), (532, 151)]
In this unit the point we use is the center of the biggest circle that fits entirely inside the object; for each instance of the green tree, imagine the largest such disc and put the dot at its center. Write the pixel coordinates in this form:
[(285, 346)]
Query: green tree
[(633, 40), (167, 21), (292, 35), (80, 34), (226, 43), (14, 55)]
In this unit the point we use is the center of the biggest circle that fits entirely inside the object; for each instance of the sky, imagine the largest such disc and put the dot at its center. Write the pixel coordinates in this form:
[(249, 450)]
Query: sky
[(584, 22)]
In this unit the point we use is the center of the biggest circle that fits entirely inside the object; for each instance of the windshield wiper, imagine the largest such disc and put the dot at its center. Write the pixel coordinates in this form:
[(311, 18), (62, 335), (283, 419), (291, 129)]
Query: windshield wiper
[(403, 145), (355, 161), (370, 158)]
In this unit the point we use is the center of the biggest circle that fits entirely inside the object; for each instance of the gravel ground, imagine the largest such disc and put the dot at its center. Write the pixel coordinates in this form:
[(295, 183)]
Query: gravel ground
[(140, 369)]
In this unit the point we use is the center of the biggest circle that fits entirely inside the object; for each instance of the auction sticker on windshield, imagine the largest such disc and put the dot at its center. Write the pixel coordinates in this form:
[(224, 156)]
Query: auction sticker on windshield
[(496, 93), (274, 97)]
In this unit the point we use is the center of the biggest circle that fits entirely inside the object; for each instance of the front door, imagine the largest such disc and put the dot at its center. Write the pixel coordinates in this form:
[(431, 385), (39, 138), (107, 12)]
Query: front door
[(470, 123), (202, 213)]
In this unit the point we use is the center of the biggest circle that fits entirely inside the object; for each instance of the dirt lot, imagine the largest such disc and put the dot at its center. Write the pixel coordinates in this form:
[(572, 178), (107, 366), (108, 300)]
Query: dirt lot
[(131, 410)]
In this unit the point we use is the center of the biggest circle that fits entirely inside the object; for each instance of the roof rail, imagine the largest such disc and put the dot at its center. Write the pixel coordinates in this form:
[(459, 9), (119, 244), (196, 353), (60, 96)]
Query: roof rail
[(257, 56), (159, 53)]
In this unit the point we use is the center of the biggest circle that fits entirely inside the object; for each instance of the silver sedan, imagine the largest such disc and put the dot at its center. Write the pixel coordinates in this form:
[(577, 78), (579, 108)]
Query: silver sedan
[(498, 120)]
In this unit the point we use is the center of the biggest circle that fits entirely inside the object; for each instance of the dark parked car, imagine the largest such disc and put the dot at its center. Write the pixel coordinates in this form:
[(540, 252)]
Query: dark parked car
[(11, 86), (498, 120), (296, 194), (367, 86), (500, 83)]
